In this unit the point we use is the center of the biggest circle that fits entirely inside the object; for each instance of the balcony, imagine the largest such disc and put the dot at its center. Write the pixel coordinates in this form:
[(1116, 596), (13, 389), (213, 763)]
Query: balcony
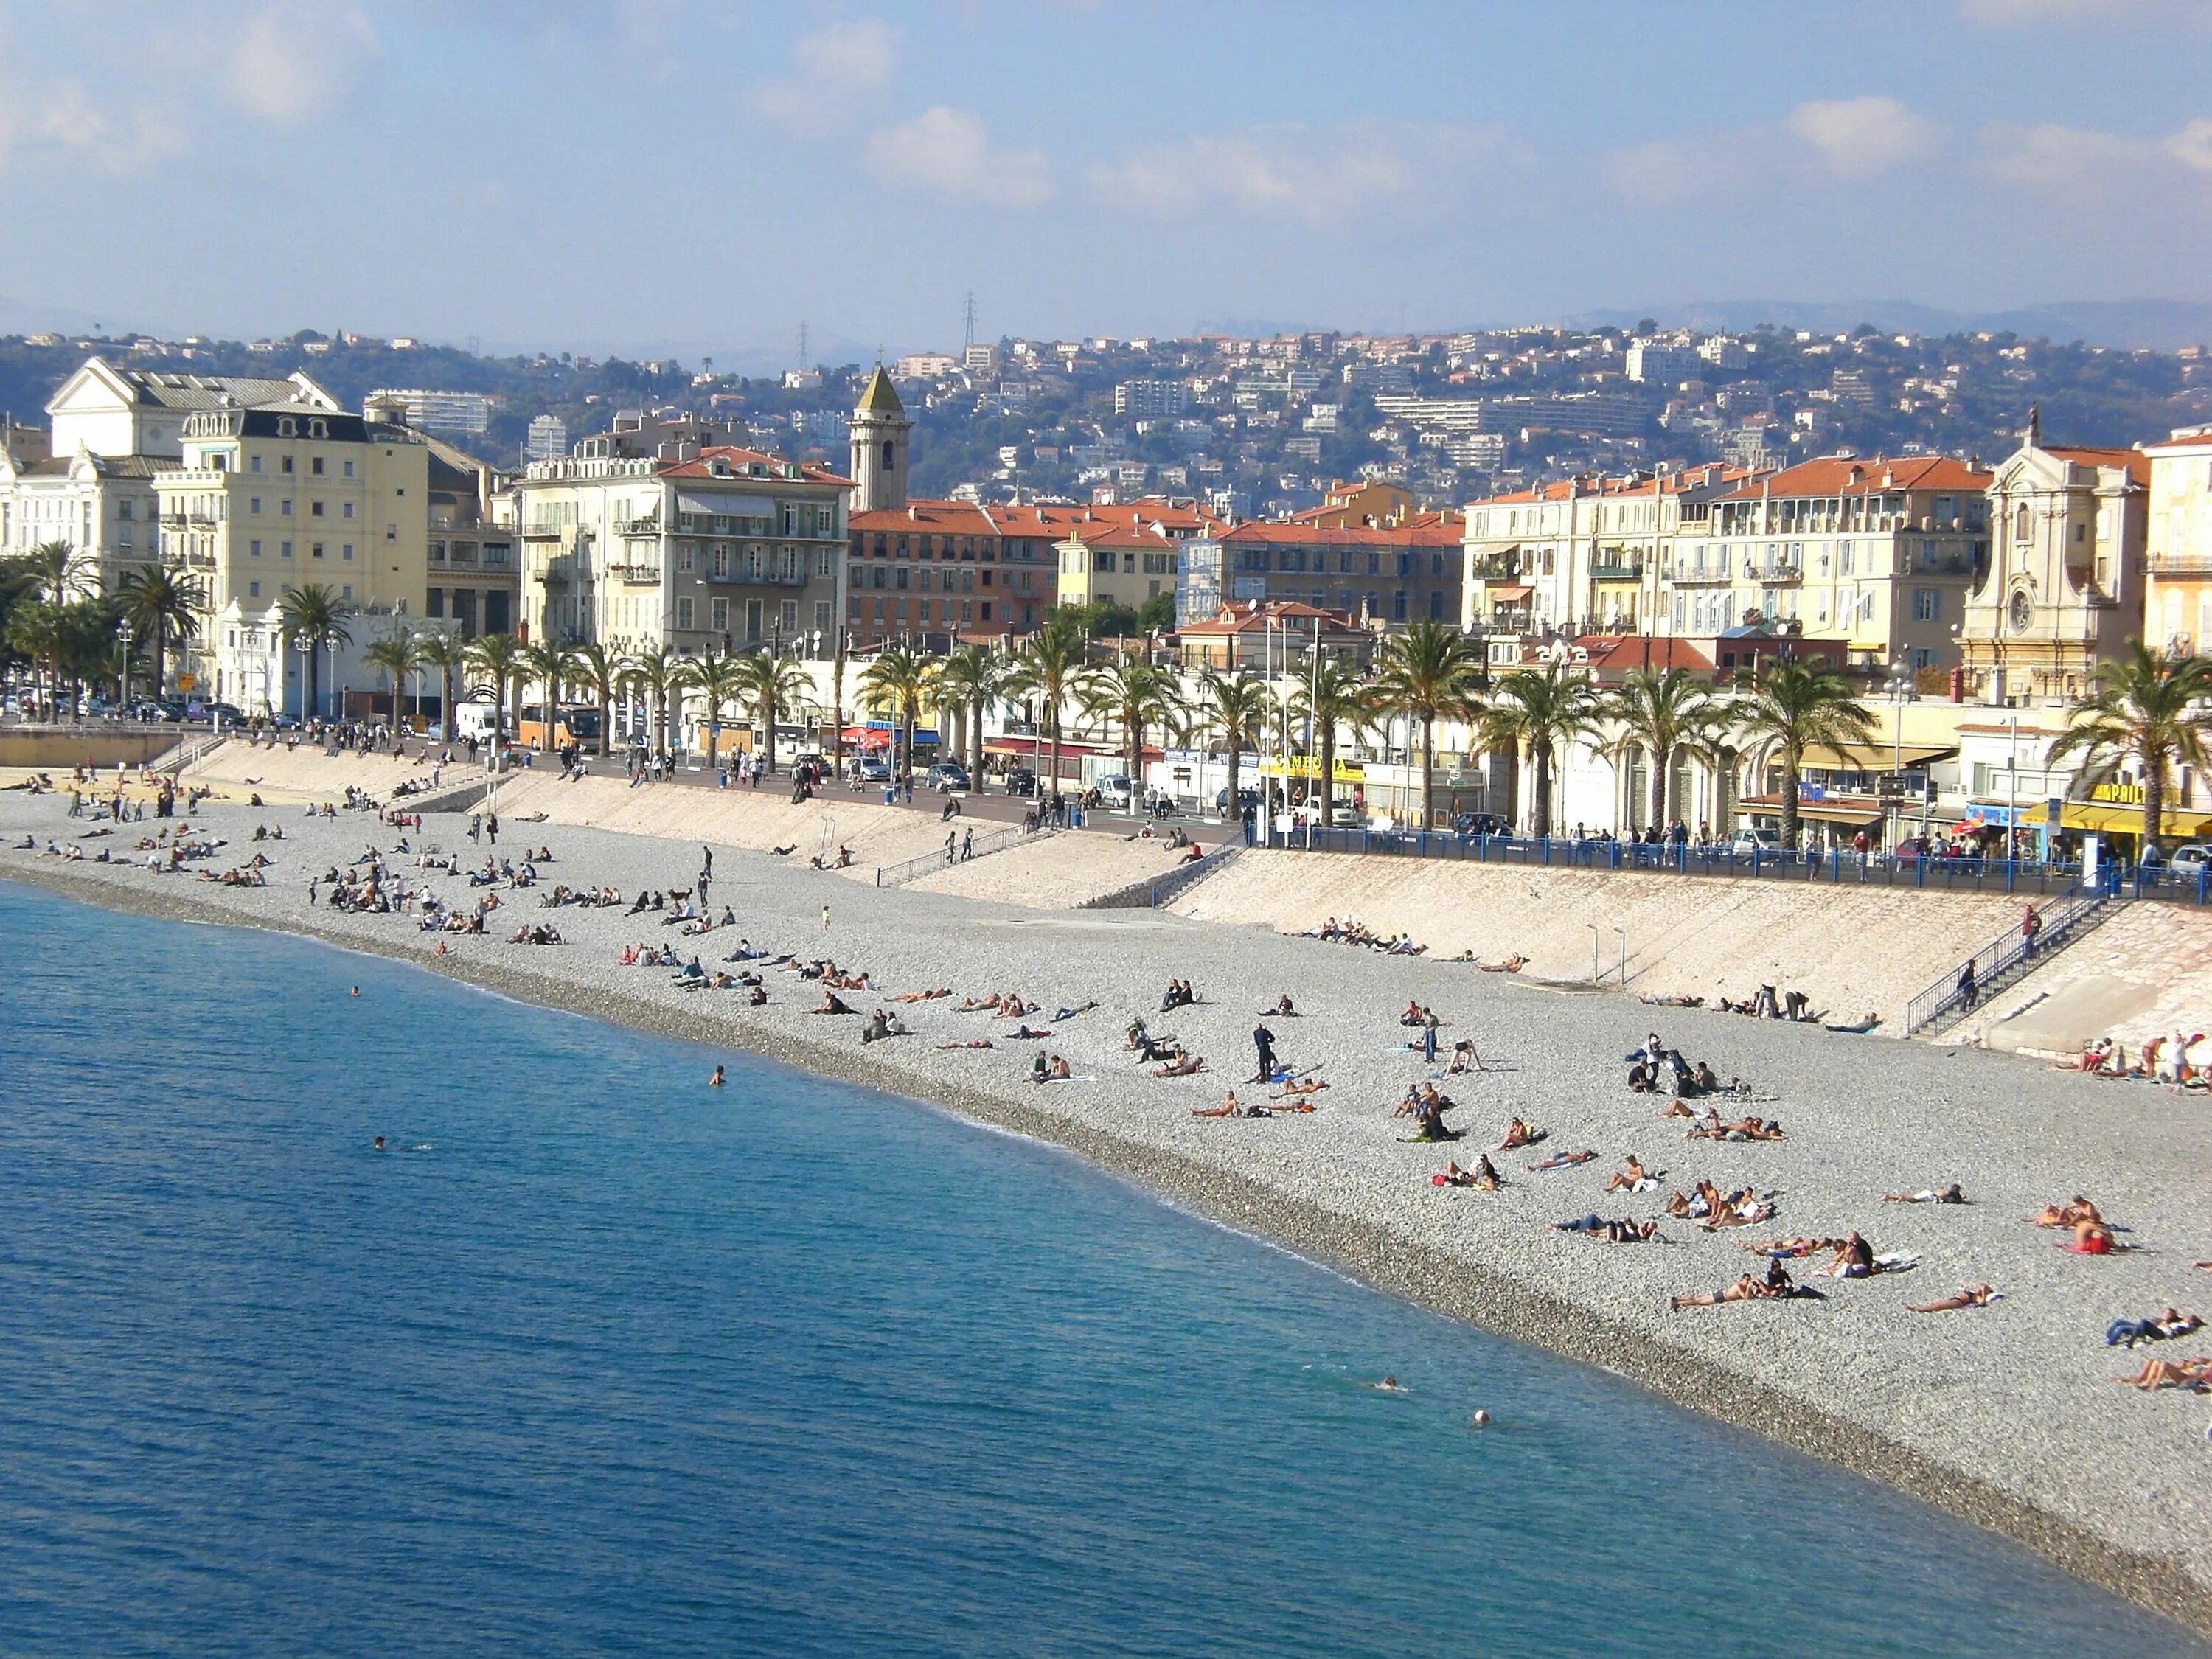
[(559, 572), (638, 527), (2181, 564), (635, 574), (544, 532), (1610, 572)]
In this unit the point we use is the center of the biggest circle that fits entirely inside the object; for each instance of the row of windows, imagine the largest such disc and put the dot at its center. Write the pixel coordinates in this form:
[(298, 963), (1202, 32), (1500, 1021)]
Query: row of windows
[(315, 509), (254, 590), (316, 466), (988, 549), (315, 549), (970, 613), (897, 577)]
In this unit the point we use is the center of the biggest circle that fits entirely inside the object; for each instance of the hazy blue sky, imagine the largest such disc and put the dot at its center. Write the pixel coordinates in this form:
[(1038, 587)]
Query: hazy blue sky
[(652, 174)]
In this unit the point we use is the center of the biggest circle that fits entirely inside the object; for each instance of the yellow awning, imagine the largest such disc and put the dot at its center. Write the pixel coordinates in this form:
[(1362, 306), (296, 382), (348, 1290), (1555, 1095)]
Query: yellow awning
[(2108, 818), (1871, 756)]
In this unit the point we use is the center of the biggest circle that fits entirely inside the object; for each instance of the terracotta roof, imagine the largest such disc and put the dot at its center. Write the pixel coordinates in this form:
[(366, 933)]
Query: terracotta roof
[(1243, 616), (1423, 530), (1053, 522), (1615, 486), (1626, 651), (2133, 462), (741, 459), (1839, 475)]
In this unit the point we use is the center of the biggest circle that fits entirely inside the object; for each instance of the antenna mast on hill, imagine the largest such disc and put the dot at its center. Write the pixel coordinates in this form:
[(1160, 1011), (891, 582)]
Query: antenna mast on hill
[(802, 342), (968, 318)]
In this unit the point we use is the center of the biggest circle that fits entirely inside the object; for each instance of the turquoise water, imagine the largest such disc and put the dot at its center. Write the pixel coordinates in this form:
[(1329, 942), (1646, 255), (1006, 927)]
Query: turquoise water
[(603, 1361)]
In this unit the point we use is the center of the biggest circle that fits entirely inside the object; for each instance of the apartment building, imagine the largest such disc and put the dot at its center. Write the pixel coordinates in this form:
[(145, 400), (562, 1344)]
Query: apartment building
[(2062, 589), (2178, 544), (692, 549), (1391, 571), (1582, 555), (266, 500), (113, 429), (1882, 553)]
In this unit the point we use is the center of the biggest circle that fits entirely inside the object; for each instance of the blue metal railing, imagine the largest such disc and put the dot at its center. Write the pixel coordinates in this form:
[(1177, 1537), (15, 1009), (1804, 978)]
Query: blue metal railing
[(2011, 955)]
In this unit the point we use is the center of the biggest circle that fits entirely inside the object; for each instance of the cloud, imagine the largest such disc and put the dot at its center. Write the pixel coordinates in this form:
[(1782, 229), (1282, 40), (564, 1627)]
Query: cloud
[(1319, 175), (1859, 137), (2004, 14), (290, 61), (835, 68), (946, 149), (2060, 159), (58, 118), (2191, 146)]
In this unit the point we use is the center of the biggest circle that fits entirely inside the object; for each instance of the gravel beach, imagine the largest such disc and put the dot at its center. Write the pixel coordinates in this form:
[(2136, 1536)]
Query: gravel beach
[(2005, 1414)]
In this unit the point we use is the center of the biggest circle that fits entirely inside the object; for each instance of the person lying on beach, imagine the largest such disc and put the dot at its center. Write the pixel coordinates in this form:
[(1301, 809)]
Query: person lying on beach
[(1632, 1178), (1297, 1086), (831, 1004), (925, 996), (1564, 1160), (1949, 1194), (2166, 1326), (1229, 1108), (1622, 1231), (1070, 1013), (1967, 1295), (1672, 1001), (1188, 1065), (1744, 1128), (1026, 1033), (2193, 1374), (1739, 1209), (1745, 1289), (1794, 1248), (1483, 1176), (972, 1042), (1512, 964)]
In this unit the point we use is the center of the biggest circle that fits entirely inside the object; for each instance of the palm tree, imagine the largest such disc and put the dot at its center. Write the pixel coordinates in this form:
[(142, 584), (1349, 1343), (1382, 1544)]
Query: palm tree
[(447, 653), (1332, 697), (599, 672), (715, 677), (1796, 706), (968, 679), (35, 629), (157, 599), (1547, 710), (498, 658), (900, 680), (57, 568), (1430, 673), (659, 670), (768, 684), (1660, 711), (1049, 667), (2143, 707), (1232, 708), (397, 657), (1132, 694), (552, 664), (313, 614)]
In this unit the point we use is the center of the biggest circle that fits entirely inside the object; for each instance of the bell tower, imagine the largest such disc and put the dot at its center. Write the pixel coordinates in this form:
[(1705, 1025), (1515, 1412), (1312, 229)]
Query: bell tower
[(880, 430)]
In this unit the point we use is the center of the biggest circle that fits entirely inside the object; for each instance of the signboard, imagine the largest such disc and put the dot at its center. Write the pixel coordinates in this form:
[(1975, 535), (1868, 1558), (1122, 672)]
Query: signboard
[(1306, 766), (186, 682), (2119, 794), (2051, 809)]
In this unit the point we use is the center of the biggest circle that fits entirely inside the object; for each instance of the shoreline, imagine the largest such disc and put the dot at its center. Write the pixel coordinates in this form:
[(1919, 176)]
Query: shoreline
[(1365, 1250)]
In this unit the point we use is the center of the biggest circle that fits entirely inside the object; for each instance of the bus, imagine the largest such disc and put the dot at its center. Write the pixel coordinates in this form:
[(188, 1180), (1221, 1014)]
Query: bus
[(572, 722)]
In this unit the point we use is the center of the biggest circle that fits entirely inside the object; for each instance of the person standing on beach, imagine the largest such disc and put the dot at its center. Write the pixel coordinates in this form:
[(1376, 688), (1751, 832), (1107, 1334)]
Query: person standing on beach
[(476, 826), (952, 841), (1264, 1041), (968, 847), (491, 827), (825, 918)]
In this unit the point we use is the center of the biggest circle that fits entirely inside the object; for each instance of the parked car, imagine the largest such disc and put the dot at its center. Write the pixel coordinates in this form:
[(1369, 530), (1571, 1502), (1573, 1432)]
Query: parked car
[(1751, 839), (2189, 859), (1248, 800), (1114, 792), (1345, 816), (149, 710), (1481, 824), (872, 771), (1021, 781), (947, 777)]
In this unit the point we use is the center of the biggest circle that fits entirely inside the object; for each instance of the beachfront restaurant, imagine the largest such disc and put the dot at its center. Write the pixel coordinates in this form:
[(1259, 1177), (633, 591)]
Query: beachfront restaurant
[(1868, 786)]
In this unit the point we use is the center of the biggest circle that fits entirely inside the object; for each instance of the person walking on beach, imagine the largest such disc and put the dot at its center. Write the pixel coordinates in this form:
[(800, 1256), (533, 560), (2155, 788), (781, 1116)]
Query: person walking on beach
[(1263, 1040), (951, 842), (968, 847), (825, 918), (476, 826), (706, 862), (491, 827)]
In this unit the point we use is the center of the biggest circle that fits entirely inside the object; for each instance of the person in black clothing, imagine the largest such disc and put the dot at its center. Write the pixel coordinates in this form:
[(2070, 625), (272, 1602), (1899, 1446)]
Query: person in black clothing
[(1264, 1041)]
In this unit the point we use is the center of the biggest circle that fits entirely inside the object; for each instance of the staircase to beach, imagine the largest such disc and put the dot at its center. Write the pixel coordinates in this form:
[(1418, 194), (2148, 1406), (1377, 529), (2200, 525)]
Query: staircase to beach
[(2005, 960)]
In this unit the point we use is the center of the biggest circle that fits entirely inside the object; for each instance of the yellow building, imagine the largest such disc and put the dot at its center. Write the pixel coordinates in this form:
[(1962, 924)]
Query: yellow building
[(2177, 595), (286, 496)]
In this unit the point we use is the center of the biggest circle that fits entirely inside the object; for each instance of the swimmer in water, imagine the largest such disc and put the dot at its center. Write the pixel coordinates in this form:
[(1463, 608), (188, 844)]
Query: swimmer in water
[(378, 1146), (1479, 1420), (1387, 1385), (356, 991), (716, 1081)]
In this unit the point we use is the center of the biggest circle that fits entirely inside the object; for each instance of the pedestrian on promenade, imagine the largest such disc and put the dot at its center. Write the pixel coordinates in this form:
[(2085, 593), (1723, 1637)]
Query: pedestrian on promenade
[(2031, 925), (952, 841), (968, 847)]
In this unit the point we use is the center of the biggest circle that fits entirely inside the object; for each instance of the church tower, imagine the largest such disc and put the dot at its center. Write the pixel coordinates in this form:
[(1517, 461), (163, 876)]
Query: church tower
[(880, 429)]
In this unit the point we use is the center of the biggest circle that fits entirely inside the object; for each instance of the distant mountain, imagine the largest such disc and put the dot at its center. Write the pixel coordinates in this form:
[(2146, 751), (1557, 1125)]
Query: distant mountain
[(2159, 324)]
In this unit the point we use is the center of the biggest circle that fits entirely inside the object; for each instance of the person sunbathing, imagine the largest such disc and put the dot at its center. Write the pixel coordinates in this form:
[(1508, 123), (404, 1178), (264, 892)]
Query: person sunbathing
[(1027, 1033), (1739, 1209), (1620, 1231), (1794, 1247), (2166, 1326), (1967, 1295), (2093, 1238), (831, 1004), (1678, 1107), (1949, 1194), (1483, 1176), (1854, 1258), (2194, 1374), (1745, 1289), (1518, 1134), (2079, 1210), (1512, 964), (1631, 1178), (1057, 1071), (972, 1042), (1070, 1013), (1282, 1010), (1188, 1065), (925, 996), (1295, 1087), (1229, 1108), (1564, 1160)]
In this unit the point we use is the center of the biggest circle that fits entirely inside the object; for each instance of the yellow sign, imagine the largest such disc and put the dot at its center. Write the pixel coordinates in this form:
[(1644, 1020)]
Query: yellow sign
[(2125, 794), (1306, 766), (186, 682)]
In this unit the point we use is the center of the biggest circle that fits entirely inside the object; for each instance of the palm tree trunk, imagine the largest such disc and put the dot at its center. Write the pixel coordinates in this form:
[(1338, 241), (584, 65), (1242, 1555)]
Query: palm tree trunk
[(1053, 789), (1789, 800), (315, 684), (160, 659), (976, 746), (1428, 768), (1540, 815), (1659, 775), (906, 761), (2153, 808), (1327, 771), (713, 739), (607, 720), (1235, 809), (770, 722), (446, 699)]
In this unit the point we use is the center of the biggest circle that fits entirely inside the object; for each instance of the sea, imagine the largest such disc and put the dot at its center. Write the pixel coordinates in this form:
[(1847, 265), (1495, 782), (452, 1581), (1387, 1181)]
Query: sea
[(594, 1359)]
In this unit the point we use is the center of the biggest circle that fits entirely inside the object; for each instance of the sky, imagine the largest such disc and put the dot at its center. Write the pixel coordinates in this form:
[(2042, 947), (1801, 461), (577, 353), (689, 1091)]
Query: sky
[(653, 176)]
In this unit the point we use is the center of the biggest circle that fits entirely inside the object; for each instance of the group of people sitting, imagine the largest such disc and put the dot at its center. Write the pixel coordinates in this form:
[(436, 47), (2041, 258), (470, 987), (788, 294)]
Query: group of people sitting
[(2088, 1233), (2161, 1059), (541, 932), (1348, 932), (1712, 1209), (1655, 1069), (1765, 1004), (693, 976), (1177, 995)]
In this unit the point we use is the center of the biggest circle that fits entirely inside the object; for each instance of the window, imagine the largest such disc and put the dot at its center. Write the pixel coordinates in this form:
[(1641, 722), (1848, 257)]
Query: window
[(1927, 605), (348, 469), (124, 509), (318, 429), (253, 464), (315, 463), (2019, 527), (392, 532), (890, 455), (253, 550), (284, 549), (315, 509), (719, 610), (315, 550), (349, 510), (254, 590), (285, 463), (284, 508), (253, 504), (684, 612), (345, 550)]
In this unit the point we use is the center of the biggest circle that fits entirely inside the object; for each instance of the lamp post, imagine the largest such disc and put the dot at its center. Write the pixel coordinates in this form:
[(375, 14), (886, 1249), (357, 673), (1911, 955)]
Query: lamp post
[(123, 641), (1897, 684)]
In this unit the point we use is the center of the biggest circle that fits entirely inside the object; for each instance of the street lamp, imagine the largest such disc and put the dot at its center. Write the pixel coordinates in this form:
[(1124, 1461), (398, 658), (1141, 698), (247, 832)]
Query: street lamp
[(123, 640), (1898, 684)]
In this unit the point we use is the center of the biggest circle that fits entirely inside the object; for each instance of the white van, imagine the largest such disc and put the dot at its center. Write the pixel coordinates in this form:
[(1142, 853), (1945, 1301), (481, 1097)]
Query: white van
[(474, 720)]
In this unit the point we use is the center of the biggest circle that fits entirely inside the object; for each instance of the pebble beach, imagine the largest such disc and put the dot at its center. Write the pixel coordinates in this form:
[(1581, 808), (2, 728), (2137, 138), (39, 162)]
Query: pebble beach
[(2006, 1414)]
